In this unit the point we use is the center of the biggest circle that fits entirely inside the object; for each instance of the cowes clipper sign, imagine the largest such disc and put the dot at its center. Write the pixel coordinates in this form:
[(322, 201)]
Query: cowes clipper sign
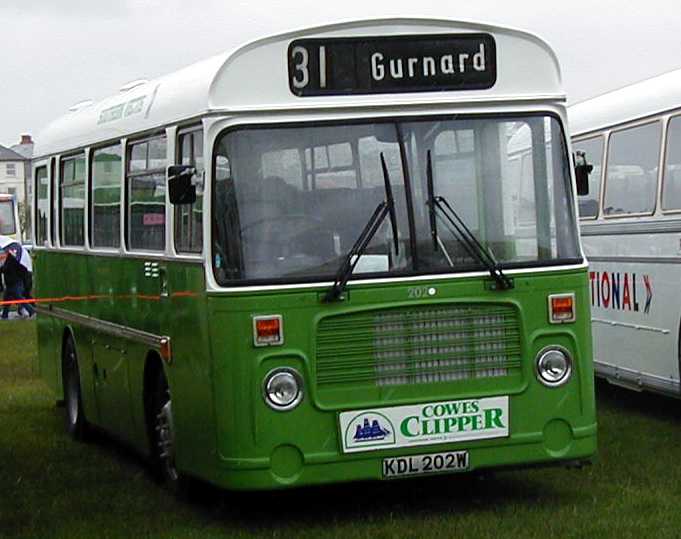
[(424, 424)]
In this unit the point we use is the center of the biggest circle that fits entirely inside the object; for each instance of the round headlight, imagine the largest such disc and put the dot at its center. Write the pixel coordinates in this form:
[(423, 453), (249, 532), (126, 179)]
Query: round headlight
[(283, 389), (554, 366)]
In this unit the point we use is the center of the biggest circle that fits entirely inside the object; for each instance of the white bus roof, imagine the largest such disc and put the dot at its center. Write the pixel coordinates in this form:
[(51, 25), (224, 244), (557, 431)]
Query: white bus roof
[(255, 78), (638, 100)]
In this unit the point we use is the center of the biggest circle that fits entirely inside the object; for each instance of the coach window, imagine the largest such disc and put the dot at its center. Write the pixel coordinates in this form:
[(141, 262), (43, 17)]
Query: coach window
[(53, 203), (671, 188), (105, 200), (593, 149), (631, 174), (28, 212), (189, 217), (72, 201), (42, 204), (147, 194)]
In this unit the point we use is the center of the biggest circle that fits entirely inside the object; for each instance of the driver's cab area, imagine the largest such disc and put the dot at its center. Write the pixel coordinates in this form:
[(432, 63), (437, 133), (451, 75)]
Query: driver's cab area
[(290, 203)]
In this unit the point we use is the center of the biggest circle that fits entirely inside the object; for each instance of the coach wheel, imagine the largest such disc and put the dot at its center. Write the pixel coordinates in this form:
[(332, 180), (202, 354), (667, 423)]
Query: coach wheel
[(163, 435), (76, 425)]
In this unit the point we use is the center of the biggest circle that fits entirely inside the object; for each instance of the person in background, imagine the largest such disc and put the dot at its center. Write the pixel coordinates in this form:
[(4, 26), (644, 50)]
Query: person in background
[(15, 277)]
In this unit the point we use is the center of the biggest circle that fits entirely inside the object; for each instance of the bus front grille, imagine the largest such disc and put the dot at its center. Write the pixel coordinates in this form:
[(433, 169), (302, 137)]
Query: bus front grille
[(418, 345)]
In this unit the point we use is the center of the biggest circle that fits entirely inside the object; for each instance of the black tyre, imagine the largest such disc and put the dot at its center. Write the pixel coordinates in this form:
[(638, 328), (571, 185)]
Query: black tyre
[(76, 424), (163, 436)]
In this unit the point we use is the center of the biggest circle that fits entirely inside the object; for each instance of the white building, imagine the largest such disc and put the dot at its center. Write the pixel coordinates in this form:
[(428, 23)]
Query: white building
[(25, 149)]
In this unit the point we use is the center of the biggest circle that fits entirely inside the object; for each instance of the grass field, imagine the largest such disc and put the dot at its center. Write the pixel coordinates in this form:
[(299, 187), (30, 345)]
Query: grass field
[(51, 487)]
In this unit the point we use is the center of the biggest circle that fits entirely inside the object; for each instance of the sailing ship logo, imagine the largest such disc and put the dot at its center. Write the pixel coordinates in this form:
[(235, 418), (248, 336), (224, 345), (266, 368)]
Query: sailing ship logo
[(369, 429), (370, 432)]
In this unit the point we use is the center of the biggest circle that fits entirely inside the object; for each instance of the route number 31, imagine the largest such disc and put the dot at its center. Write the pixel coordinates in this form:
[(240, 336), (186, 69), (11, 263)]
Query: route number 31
[(301, 67)]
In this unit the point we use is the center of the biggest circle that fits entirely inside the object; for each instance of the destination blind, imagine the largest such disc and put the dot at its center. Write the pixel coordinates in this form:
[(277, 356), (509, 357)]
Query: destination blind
[(374, 65)]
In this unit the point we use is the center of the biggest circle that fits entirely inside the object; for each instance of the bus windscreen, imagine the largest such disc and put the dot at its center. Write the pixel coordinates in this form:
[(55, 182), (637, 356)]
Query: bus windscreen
[(290, 202)]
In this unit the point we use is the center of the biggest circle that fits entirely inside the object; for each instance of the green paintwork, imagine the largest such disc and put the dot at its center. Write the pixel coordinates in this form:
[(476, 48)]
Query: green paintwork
[(225, 432)]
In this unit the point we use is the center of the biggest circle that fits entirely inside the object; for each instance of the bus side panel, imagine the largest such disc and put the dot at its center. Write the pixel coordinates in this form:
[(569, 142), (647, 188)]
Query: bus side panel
[(77, 285), (52, 333), (636, 308), (190, 371), (182, 317), (49, 331), (125, 296), (137, 433), (103, 288)]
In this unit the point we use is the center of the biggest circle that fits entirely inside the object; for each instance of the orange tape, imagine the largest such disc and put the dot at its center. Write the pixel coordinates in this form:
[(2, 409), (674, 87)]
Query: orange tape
[(64, 299)]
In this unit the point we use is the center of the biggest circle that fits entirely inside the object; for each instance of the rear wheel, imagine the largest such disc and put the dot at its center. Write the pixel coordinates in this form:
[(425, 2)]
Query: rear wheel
[(76, 424)]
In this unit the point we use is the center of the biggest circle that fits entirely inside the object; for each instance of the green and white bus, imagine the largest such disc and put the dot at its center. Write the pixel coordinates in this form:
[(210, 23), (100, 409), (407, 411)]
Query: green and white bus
[(306, 260)]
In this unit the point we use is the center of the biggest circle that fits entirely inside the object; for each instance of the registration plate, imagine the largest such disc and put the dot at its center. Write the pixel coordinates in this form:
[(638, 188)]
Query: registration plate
[(453, 461)]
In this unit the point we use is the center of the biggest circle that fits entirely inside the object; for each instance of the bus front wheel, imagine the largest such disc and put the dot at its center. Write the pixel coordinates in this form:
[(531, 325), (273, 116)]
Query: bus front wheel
[(76, 424), (163, 435)]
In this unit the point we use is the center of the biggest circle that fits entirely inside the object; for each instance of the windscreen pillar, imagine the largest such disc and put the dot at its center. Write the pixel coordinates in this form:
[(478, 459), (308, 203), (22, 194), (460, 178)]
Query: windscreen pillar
[(541, 195)]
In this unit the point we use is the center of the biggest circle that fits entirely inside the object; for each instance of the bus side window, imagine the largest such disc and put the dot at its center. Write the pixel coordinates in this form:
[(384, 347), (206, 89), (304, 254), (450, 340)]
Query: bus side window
[(631, 174), (146, 186), (28, 212), (42, 204), (593, 149), (72, 201), (105, 200), (671, 187), (53, 202), (189, 217)]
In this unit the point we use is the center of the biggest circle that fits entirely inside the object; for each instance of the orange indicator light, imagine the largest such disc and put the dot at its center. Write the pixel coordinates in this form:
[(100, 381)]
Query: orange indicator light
[(268, 330), (562, 308)]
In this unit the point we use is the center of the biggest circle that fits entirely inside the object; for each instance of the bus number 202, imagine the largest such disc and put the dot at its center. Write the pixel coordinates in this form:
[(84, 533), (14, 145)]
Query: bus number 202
[(418, 292)]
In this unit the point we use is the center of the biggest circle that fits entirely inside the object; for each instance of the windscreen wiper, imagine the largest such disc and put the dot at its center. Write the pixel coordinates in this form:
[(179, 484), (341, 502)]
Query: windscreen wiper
[(384, 209), (431, 207), (460, 231)]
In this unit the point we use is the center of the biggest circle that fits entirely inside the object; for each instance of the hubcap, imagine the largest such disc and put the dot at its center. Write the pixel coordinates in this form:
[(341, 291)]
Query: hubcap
[(166, 440), (72, 388)]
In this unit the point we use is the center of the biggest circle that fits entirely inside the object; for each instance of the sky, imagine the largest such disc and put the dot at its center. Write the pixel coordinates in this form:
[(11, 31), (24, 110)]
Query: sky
[(56, 53)]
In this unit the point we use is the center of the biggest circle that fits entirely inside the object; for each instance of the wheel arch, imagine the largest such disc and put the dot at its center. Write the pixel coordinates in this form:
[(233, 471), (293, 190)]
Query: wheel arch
[(73, 395), (67, 333)]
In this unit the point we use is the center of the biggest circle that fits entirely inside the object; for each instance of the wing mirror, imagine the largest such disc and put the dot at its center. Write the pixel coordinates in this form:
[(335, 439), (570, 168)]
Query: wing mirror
[(180, 187), (582, 171)]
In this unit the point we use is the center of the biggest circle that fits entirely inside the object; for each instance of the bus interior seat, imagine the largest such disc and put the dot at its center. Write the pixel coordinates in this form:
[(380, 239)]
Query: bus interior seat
[(265, 202)]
